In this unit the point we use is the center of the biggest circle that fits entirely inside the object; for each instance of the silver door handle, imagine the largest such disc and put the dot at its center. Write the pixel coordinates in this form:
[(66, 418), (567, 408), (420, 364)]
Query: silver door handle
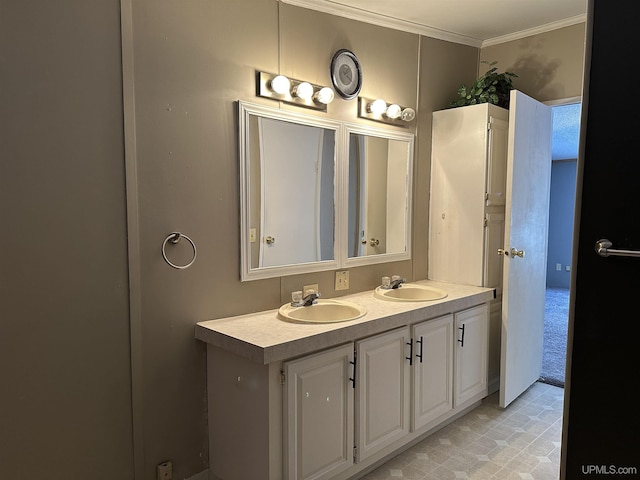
[(603, 248)]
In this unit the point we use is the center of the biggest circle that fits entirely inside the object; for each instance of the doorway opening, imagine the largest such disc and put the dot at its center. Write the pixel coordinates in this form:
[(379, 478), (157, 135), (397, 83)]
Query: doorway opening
[(566, 133)]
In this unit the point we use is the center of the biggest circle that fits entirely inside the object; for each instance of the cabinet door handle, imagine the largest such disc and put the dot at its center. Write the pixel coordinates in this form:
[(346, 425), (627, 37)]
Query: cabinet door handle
[(354, 363), (410, 357), (419, 355), (461, 340)]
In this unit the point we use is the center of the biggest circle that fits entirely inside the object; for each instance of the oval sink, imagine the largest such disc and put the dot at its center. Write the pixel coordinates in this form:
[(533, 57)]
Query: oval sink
[(324, 311), (408, 292)]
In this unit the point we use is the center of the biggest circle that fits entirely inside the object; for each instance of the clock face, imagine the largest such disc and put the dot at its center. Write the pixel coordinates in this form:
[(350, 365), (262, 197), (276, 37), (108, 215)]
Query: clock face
[(346, 74)]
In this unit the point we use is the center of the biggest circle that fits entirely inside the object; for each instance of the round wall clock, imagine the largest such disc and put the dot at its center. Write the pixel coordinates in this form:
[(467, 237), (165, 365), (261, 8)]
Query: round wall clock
[(346, 74)]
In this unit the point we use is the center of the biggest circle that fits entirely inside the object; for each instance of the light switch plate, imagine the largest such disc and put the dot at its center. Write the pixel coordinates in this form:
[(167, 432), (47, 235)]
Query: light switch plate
[(342, 280)]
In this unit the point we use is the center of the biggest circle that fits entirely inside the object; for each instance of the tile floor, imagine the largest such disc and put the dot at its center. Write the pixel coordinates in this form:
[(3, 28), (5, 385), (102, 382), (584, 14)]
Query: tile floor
[(521, 442)]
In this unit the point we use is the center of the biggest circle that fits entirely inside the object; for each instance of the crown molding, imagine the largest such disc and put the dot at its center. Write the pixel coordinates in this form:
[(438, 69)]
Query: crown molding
[(352, 13), (327, 6), (548, 27)]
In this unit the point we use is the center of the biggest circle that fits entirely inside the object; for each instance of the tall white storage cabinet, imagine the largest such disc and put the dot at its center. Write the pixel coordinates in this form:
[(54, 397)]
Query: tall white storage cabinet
[(467, 207)]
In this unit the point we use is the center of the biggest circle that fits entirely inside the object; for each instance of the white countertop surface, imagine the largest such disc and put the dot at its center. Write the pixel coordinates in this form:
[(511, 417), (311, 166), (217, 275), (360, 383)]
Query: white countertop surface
[(264, 338)]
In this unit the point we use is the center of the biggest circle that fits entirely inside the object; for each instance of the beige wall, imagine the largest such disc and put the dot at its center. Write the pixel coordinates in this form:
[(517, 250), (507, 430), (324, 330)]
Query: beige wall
[(65, 391), (187, 81), (549, 65), (65, 320)]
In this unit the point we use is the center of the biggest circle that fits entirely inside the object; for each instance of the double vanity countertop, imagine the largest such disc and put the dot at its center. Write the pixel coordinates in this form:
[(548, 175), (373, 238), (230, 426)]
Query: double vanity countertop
[(265, 338)]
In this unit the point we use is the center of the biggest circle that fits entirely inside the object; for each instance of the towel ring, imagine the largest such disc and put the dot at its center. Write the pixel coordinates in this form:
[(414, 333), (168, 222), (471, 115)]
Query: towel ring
[(174, 237)]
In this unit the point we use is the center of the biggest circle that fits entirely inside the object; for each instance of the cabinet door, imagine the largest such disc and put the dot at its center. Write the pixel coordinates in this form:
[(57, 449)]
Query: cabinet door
[(471, 354), (493, 240), (382, 391), (497, 156), (318, 406), (432, 370)]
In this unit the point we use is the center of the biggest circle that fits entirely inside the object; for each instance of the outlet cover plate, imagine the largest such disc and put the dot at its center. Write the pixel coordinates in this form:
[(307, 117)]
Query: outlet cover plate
[(165, 471)]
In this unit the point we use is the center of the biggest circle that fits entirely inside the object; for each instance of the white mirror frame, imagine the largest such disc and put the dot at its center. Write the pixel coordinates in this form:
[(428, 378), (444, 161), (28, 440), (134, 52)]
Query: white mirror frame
[(341, 184), (345, 260), (245, 110)]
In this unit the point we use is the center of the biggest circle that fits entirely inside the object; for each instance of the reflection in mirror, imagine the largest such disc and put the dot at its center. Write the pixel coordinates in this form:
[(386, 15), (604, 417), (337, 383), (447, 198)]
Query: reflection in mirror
[(380, 165), (287, 178)]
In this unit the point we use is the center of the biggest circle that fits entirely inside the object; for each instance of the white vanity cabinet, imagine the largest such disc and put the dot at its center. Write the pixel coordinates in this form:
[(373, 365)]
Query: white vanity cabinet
[(291, 401), (318, 424), (472, 328), (432, 371), (407, 380), (382, 391)]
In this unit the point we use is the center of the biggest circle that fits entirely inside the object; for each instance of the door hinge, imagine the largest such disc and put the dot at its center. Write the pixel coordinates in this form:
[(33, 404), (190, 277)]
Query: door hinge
[(489, 126), (486, 222), (355, 452), (282, 377)]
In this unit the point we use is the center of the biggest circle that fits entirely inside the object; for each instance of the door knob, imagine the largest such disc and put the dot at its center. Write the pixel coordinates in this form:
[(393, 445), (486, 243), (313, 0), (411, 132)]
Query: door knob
[(270, 240), (517, 253)]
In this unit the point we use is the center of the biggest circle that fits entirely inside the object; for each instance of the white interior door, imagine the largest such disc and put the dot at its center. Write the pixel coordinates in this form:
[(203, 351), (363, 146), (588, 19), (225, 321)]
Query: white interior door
[(287, 240), (526, 225)]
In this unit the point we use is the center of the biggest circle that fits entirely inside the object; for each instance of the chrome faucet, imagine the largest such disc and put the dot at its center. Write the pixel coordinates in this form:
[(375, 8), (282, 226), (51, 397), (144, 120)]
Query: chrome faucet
[(310, 299), (397, 282)]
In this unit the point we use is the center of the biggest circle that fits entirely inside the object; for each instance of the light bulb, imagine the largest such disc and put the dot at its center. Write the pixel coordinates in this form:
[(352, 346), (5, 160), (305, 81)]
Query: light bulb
[(303, 90), (280, 84), (394, 111), (325, 95), (408, 114), (378, 107)]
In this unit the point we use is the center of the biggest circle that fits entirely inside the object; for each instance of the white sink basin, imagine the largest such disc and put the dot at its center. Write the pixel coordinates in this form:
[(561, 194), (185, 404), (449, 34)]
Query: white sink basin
[(408, 292), (324, 311)]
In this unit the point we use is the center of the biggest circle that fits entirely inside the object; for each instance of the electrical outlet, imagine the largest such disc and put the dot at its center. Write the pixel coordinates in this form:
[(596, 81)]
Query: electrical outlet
[(165, 471), (306, 288), (558, 267), (342, 280), (567, 268)]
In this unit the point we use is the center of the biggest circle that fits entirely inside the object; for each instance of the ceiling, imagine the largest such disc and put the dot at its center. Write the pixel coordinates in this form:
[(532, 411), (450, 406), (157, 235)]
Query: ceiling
[(471, 22)]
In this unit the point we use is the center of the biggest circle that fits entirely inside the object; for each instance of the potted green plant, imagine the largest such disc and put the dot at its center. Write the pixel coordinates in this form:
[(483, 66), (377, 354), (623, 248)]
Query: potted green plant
[(492, 87)]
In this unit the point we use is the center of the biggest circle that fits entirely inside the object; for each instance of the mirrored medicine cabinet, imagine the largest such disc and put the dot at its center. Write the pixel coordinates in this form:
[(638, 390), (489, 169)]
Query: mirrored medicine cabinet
[(318, 194)]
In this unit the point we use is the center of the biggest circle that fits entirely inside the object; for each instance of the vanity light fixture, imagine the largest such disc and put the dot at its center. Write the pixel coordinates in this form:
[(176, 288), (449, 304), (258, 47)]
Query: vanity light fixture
[(280, 84), (379, 111), (296, 92), (325, 95), (303, 90), (377, 107), (393, 111)]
